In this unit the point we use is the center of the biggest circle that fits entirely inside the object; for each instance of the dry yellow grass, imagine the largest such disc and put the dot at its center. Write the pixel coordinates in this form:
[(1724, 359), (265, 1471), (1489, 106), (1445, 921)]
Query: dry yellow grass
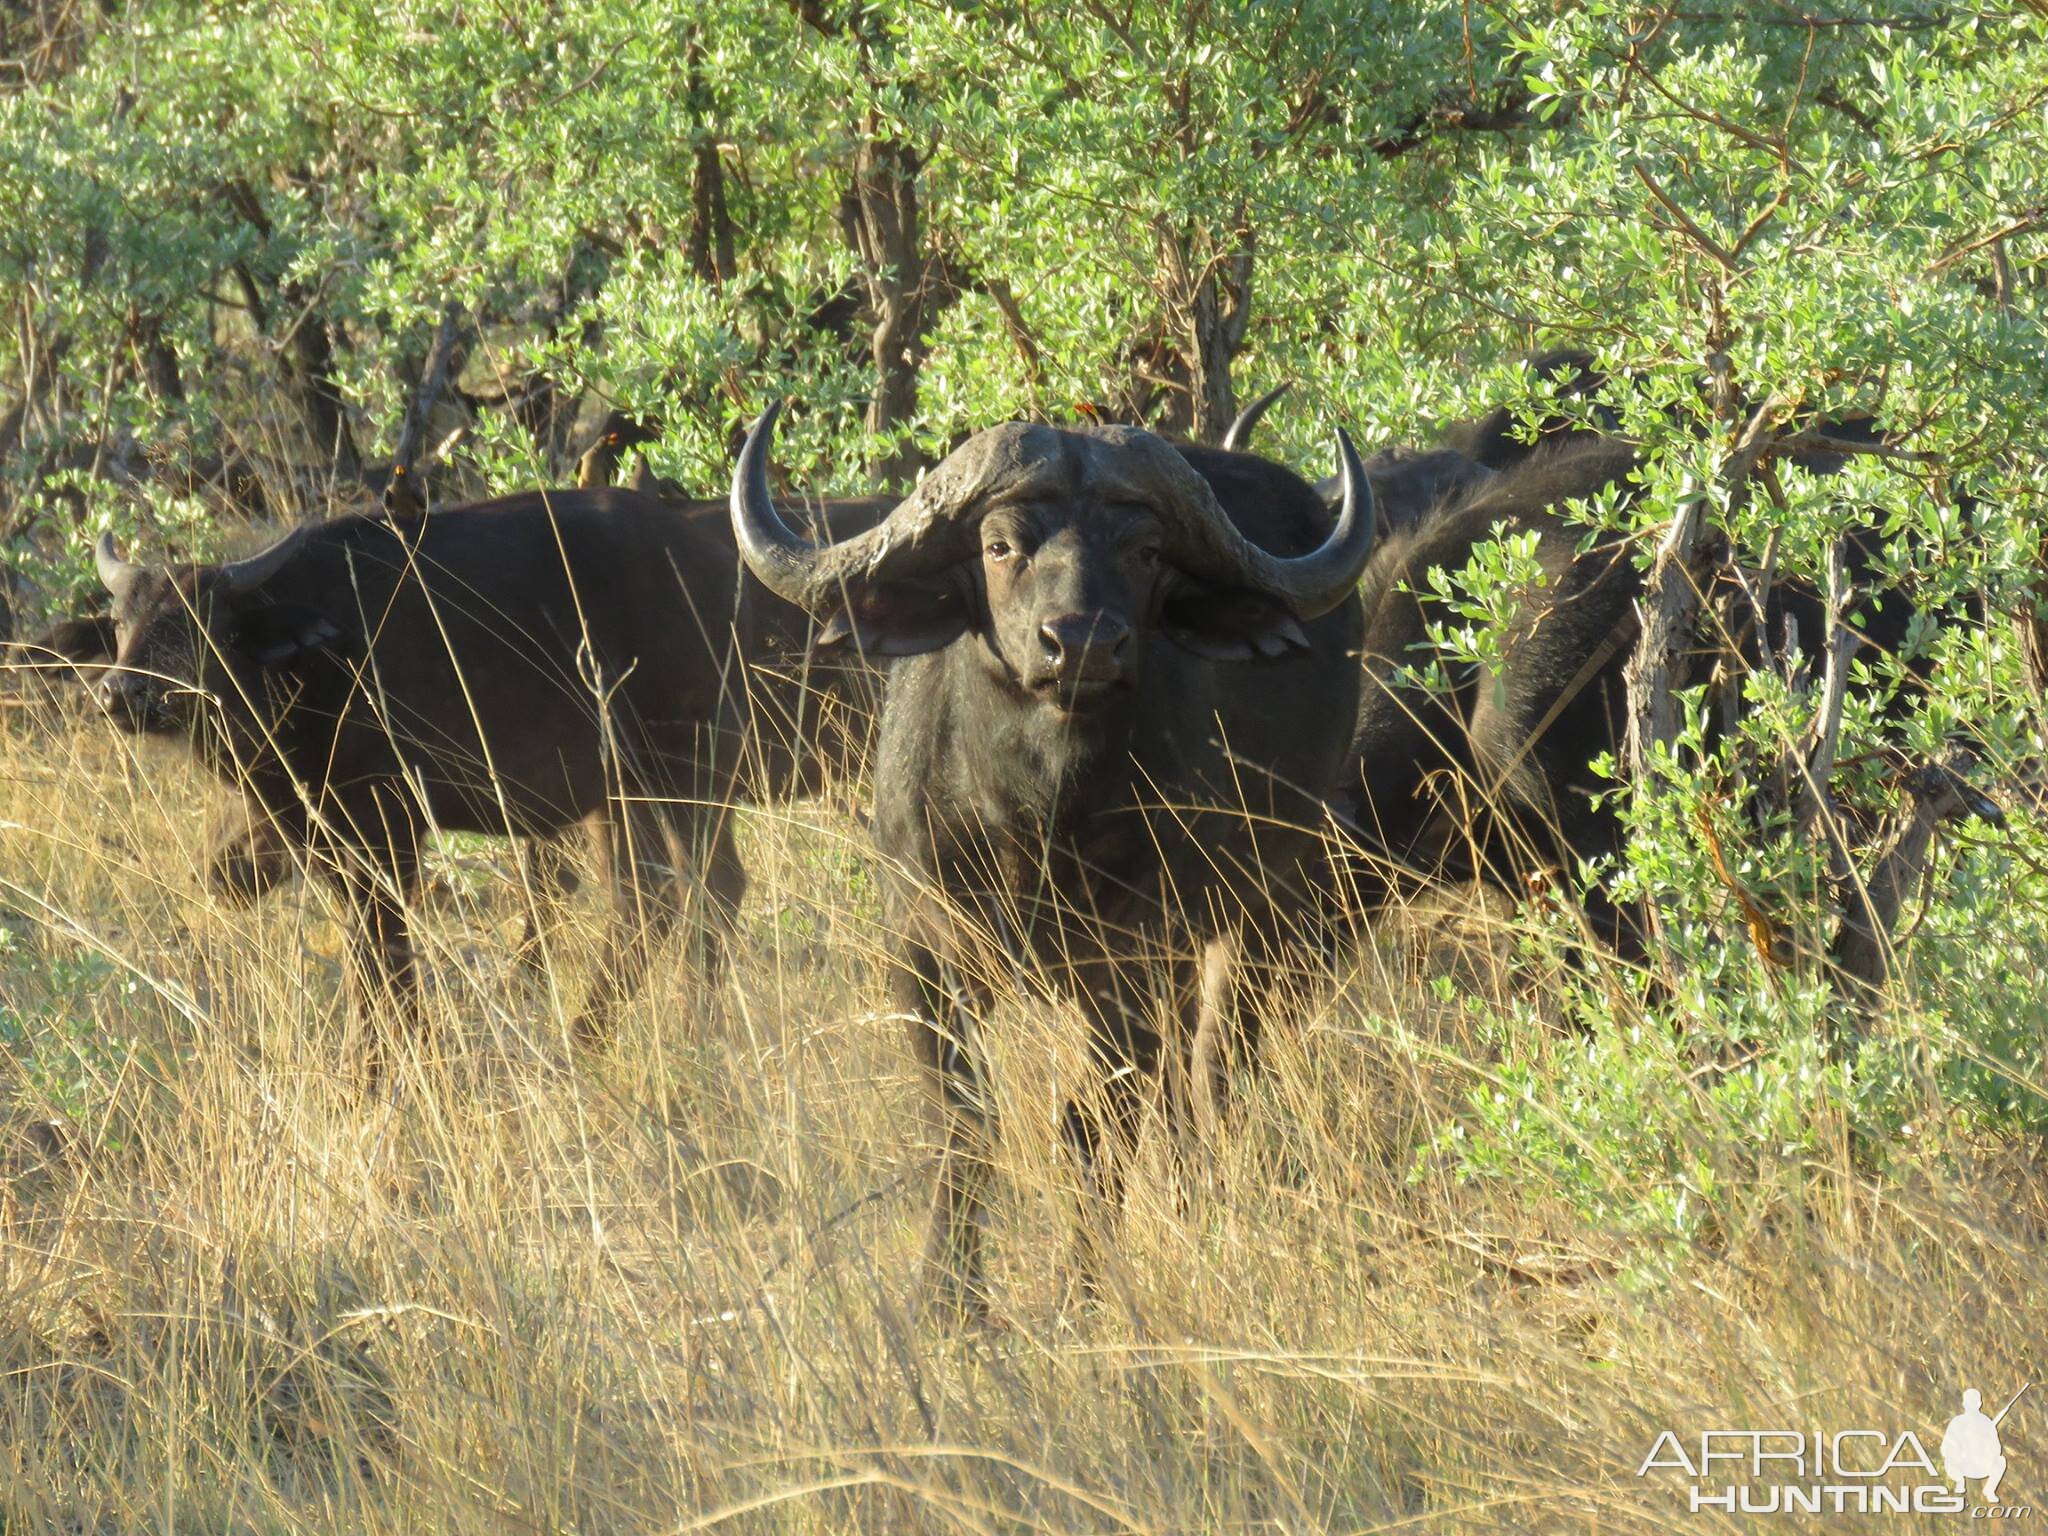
[(668, 1287)]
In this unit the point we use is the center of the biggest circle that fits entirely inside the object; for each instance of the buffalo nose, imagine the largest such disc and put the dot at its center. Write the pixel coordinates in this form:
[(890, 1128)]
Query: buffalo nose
[(1085, 647), (122, 693)]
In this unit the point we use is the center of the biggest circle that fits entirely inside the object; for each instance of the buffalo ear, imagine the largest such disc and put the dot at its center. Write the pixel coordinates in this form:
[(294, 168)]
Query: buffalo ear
[(283, 632), (1237, 624), (897, 618), (80, 640)]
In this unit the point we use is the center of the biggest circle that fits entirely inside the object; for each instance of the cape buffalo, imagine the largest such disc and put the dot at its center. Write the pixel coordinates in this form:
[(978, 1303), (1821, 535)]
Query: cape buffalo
[(789, 723), (1126, 680), (249, 856), (513, 667), (1492, 777), (68, 655), (1461, 781)]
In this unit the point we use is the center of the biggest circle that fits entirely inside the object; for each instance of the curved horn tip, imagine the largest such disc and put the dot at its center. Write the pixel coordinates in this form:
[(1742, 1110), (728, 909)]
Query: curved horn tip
[(243, 575), (784, 561), (750, 473), (1239, 438), (114, 572), (1347, 455), (1358, 498)]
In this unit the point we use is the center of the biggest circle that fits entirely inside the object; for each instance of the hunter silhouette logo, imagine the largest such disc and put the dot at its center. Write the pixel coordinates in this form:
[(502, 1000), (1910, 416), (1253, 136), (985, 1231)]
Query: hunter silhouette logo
[(1970, 1446), (1860, 1471)]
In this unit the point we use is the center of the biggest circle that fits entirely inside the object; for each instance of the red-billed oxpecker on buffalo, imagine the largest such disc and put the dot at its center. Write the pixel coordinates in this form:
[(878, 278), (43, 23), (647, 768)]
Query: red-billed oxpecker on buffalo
[(1128, 674), (599, 466), (514, 667)]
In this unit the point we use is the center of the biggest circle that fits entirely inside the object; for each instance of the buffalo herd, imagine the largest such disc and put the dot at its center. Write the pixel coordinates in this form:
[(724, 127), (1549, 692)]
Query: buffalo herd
[(1136, 717)]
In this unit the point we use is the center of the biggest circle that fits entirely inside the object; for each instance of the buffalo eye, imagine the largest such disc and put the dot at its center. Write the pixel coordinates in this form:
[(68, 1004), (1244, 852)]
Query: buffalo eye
[(998, 550), (1149, 554)]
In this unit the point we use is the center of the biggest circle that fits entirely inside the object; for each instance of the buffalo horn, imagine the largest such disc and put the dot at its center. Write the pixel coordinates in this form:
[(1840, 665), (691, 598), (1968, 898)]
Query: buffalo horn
[(918, 537), (1208, 544), (786, 562), (924, 532), (115, 573), (247, 575), (1239, 438)]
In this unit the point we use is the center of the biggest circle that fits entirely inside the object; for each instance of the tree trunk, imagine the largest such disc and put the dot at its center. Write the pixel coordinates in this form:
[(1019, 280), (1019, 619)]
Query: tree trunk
[(311, 363), (547, 414), (443, 360), (711, 239), (1222, 312), (1208, 300), (159, 359), (41, 378), (907, 287), (1864, 952), (1670, 604), (903, 297), (308, 350), (711, 235), (1669, 610)]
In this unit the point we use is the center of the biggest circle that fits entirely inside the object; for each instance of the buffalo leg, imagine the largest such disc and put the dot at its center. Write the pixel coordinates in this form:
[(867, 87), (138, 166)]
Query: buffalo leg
[(384, 970), (371, 851), (547, 880), (942, 1038), (377, 870), (1102, 1136), (704, 832), (250, 853), (640, 871)]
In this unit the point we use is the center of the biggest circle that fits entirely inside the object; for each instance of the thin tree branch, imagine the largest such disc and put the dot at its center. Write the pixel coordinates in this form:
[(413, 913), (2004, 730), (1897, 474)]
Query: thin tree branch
[(412, 429), (1706, 242), (1842, 642)]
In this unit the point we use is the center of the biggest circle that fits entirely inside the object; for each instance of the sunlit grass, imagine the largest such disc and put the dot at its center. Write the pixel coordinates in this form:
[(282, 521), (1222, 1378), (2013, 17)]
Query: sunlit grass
[(670, 1284)]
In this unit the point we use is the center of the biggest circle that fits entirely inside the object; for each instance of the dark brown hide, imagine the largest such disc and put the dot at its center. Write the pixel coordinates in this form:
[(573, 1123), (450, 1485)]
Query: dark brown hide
[(1101, 756), (515, 667)]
